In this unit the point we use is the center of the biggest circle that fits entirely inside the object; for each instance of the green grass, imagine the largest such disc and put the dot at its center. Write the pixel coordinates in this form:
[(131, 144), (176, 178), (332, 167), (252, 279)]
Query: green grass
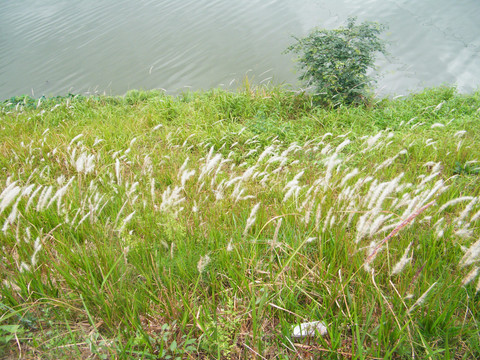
[(207, 225)]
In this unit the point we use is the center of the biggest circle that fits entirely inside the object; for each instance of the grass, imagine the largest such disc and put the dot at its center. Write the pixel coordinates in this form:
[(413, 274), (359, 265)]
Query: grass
[(209, 224)]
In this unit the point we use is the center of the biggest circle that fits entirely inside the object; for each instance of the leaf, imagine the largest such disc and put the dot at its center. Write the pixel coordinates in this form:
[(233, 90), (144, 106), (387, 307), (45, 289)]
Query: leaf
[(12, 329)]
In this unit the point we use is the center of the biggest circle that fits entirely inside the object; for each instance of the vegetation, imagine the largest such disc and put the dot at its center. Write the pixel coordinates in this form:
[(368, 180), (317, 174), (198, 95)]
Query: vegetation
[(209, 224), (335, 62)]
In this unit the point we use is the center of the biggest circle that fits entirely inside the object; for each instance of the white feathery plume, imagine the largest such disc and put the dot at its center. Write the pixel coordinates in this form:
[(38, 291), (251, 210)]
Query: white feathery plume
[(117, 172), (44, 197), (438, 227), (267, 151), (470, 276), (265, 179), (463, 215), (171, 198), (475, 216), (277, 158), (374, 192), (85, 217), (371, 141), (8, 195), (75, 139), (361, 227), (233, 181), (147, 168), (80, 162), (251, 218), (412, 205), (332, 162), (12, 216), (251, 152), (308, 213), (350, 175), (332, 221), (386, 163), (326, 135), (421, 299), (373, 251), (131, 189), (89, 164), (37, 246), (32, 196), (378, 222), (152, 189), (292, 186), (326, 149), (24, 267), (471, 255), (439, 106), (217, 171), (219, 195), (27, 190), (326, 223), (5, 227), (404, 260), (437, 189), (202, 263), (274, 241), (342, 145), (429, 178), (126, 221), (97, 141), (455, 201), (436, 167), (318, 215), (464, 232), (209, 165), (183, 167), (391, 187), (248, 173), (28, 235), (59, 194), (186, 175)]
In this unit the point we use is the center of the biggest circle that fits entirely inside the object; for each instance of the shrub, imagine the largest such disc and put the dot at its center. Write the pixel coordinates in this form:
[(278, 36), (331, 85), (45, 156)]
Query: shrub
[(335, 62)]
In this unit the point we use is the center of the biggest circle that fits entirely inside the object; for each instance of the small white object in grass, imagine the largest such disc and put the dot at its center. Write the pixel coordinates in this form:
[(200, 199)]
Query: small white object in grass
[(309, 329)]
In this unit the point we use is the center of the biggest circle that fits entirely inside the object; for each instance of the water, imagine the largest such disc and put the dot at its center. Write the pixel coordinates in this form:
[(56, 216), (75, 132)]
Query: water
[(52, 47)]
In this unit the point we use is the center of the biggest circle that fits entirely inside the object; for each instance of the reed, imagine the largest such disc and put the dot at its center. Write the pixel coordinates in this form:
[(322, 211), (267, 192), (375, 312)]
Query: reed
[(209, 225)]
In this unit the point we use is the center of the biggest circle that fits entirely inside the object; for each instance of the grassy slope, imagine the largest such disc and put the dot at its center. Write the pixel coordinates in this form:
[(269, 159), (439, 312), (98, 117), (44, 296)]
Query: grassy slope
[(210, 223)]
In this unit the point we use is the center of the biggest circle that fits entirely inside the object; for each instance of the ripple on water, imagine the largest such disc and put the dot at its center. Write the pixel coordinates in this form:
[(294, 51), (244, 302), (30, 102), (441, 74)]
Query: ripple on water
[(59, 46)]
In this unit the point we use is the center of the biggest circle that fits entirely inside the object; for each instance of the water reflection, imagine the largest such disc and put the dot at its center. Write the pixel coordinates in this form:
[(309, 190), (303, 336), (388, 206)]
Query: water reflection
[(55, 47)]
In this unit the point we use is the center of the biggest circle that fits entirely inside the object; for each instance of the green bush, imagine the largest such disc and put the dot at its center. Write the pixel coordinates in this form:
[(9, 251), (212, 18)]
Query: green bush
[(335, 62)]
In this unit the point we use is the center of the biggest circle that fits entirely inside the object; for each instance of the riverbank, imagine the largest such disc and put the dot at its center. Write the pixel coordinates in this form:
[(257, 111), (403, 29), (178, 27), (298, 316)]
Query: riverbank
[(209, 224)]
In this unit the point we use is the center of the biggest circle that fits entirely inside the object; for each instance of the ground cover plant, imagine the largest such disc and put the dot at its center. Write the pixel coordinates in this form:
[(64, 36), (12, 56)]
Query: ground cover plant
[(207, 225)]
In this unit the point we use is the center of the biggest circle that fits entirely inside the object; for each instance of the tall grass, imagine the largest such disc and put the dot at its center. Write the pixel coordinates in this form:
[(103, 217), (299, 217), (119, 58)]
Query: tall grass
[(209, 224)]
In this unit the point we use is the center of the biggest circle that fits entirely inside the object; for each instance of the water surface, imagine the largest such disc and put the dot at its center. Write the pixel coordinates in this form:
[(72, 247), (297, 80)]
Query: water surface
[(52, 47)]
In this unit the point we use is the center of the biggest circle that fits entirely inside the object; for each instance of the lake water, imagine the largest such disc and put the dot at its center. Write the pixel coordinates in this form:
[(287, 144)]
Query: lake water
[(52, 47)]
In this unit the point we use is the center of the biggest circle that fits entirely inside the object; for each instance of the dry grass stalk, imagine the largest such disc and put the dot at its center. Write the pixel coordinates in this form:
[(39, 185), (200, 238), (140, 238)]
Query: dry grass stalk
[(396, 230)]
